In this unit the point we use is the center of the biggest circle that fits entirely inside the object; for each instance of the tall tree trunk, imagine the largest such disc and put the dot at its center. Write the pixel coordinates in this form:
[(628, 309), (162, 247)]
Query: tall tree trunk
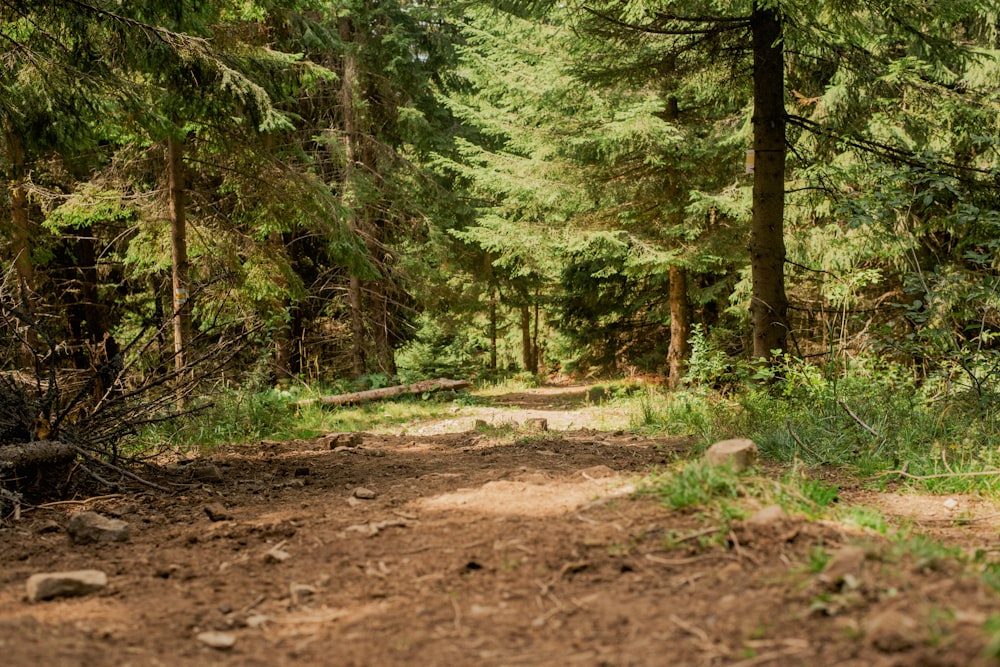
[(383, 343), (493, 329), (21, 237), (178, 242), (769, 305), (680, 327), (349, 123), (526, 338), (535, 361), (20, 221), (679, 350)]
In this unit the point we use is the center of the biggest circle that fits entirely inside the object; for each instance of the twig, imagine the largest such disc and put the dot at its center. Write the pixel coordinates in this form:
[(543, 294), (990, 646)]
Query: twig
[(788, 425), (697, 534), (85, 501), (85, 454), (863, 425), (903, 473), (687, 561)]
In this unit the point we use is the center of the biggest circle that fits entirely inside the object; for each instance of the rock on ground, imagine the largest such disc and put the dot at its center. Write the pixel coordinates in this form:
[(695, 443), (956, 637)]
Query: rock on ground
[(739, 453), (48, 585), (89, 527)]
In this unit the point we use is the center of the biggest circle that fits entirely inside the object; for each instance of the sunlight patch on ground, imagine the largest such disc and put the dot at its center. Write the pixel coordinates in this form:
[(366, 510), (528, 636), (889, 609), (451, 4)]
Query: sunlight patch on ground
[(604, 419), (527, 498)]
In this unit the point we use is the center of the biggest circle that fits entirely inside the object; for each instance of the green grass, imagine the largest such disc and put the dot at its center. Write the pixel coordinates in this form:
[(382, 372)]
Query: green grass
[(868, 421), (245, 417)]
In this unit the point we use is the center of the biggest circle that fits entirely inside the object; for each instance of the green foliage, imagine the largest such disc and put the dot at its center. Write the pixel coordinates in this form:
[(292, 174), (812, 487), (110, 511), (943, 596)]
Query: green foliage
[(695, 484)]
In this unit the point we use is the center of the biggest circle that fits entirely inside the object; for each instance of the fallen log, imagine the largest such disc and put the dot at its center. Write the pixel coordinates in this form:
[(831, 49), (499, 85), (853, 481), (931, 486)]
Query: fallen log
[(36, 453), (386, 392)]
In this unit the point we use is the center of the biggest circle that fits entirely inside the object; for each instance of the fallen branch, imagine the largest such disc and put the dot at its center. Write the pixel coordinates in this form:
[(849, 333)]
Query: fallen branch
[(36, 453), (93, 459), (802, 445), (903, 473), (856, 418), (386, 392)]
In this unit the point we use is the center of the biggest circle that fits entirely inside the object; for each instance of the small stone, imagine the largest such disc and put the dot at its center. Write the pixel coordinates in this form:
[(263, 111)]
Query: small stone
[(537, 424), (597, 472), (48, 527), (950, 504), (301, 592), (207, 473), (88, 527), (362, 493), (217, 640), (276, 554), (218, 512), (769, 515), (892, 631), (845, 565), (740, 454), (46, 586)]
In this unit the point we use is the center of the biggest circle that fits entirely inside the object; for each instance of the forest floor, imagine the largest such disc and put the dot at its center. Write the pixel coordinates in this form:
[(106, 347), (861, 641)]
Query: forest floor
[(496, 546)]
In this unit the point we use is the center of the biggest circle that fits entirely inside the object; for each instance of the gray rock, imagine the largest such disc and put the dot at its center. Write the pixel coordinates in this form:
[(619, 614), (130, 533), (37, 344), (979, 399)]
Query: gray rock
[(740, 454), (362, 493), (48, 585), (89, 527), (217, 640)]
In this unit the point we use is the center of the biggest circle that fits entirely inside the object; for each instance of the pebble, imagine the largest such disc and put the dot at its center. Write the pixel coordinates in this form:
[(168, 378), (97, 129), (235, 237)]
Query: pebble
[(217, 640), (218, 512), (364, 494)]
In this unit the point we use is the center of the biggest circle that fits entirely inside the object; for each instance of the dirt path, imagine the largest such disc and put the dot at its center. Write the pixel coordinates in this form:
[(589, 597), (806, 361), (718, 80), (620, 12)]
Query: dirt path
[(525, 549)]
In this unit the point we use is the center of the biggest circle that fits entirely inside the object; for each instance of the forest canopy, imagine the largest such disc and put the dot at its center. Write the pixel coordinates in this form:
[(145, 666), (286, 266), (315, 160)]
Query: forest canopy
[(204, 194)]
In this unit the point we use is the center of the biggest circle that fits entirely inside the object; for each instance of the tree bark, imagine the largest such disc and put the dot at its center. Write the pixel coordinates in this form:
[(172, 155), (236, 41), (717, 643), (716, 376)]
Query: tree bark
[(680, 327), (769, 305), (178, 243)]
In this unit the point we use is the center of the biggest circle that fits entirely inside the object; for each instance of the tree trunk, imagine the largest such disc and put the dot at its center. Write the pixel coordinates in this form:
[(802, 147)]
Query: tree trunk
[(349, 195), (21, 238), (493, 329), (526, 351), (20, 221), (680, 327), (383, 340), (178, 242), (769, 305)]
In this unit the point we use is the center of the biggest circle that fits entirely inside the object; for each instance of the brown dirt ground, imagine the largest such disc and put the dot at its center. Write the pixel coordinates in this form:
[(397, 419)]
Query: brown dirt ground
[(480, 550)]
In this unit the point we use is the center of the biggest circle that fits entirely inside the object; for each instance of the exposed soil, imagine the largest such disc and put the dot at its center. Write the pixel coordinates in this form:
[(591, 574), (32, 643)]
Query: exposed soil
[(484, 549)]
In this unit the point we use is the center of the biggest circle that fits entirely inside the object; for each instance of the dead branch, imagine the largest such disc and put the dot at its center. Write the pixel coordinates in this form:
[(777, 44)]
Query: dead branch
[(863, 425), (386, 392)]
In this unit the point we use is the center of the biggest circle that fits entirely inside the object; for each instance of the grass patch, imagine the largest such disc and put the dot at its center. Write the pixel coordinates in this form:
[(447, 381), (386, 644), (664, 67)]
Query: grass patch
[(868, 417), (246, 417)]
